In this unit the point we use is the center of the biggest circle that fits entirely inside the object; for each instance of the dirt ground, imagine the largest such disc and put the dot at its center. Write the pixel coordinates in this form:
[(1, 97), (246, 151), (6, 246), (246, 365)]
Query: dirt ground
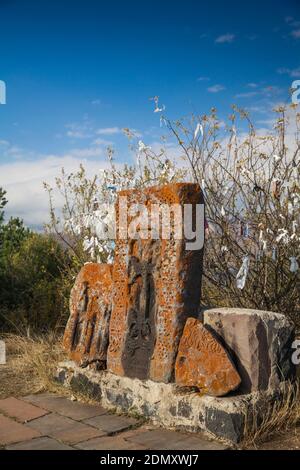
[(12, 384)]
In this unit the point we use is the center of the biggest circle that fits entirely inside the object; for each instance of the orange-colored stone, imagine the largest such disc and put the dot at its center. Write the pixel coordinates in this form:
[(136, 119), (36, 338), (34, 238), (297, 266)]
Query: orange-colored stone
[(202, 362), (156, 285), (87, 331)]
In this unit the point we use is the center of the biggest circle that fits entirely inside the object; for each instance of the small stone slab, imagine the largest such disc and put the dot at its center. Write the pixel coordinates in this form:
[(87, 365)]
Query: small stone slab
[(87, 331), (162, 439), (41, 443), (202, 362), (111, 423), (20, 410), (64, 429), (109, 443), (66, 407), (11, 431)]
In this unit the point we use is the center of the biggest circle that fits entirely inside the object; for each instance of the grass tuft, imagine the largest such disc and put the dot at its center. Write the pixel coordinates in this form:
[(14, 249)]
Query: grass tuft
[(279, 417)]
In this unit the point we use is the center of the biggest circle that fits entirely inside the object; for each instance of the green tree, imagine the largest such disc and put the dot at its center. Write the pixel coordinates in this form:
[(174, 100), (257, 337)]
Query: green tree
[(33, 281)]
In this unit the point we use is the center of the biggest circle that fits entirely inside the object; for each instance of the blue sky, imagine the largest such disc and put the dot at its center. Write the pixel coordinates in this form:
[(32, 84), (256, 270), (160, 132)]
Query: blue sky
[(76, 75)]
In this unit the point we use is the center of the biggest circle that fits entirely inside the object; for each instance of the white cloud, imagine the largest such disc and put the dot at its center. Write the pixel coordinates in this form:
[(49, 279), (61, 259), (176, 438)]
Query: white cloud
[(296, 33), (23, 181), (248, 94), (77, 135), (109, 131), (294, 73), (225, 38), (103, 142), (203, 79), (215, 88), (88, 152), (96, 102), (263, 93), (79, 131), (261, 109)]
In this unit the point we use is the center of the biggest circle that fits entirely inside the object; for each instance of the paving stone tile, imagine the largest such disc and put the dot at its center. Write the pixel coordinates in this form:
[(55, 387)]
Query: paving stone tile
[(36, 398), (111, 423), (64, 429), (66, 407), (20, 410), (162, 439), (109, 443), (11, 431), (40, 443)]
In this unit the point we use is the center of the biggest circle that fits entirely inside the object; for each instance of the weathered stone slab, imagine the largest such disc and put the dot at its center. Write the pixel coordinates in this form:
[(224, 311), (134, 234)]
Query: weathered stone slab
[(64, 429), (63, 406), (111, 423), (87, 331), (20, 410), (109, 443), (156, 286), (11, 431), (163, 439), (259, 343), (202, 362), (41, 443)]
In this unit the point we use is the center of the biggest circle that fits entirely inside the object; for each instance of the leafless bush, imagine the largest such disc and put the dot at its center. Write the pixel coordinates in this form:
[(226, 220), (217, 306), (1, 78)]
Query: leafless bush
[(251, 184)]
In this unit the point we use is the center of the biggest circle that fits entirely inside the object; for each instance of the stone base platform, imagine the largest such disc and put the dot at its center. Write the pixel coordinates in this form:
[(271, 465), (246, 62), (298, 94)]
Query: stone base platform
[(166, 405)]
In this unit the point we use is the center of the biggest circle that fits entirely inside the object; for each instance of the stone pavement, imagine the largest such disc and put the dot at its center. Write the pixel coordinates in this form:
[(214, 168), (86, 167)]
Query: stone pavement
[(52, 422)]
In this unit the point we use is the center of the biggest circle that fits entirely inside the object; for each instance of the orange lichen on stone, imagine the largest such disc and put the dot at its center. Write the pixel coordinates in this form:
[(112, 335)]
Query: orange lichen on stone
[(87, 331), (202, 362), (156, 285)]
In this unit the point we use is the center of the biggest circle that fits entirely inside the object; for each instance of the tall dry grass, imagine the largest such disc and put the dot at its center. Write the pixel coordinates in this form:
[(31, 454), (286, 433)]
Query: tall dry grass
[(278, 417), (32, 362)]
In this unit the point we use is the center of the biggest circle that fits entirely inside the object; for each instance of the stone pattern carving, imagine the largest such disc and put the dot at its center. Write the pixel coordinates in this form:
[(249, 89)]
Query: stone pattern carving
[(203, 363), (87, 331), (156, 286)]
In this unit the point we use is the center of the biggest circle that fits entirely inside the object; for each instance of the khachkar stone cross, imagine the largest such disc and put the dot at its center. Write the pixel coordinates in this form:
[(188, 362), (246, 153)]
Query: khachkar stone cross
[(87, 330), (156, 287)]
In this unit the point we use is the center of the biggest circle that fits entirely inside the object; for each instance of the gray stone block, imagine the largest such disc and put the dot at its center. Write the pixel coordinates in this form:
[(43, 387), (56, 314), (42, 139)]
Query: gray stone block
[(228, 426), (259, 343)]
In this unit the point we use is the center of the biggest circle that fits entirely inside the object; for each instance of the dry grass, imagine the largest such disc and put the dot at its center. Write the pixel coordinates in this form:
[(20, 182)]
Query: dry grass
[(281, 416), (31, 364)]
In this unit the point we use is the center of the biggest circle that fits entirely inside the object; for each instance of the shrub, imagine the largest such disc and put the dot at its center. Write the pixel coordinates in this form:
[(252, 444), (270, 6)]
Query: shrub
[(32, 294)]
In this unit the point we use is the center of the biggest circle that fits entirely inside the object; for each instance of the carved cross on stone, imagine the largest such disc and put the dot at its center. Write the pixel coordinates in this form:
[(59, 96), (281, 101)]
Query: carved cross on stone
[(140, 335)]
